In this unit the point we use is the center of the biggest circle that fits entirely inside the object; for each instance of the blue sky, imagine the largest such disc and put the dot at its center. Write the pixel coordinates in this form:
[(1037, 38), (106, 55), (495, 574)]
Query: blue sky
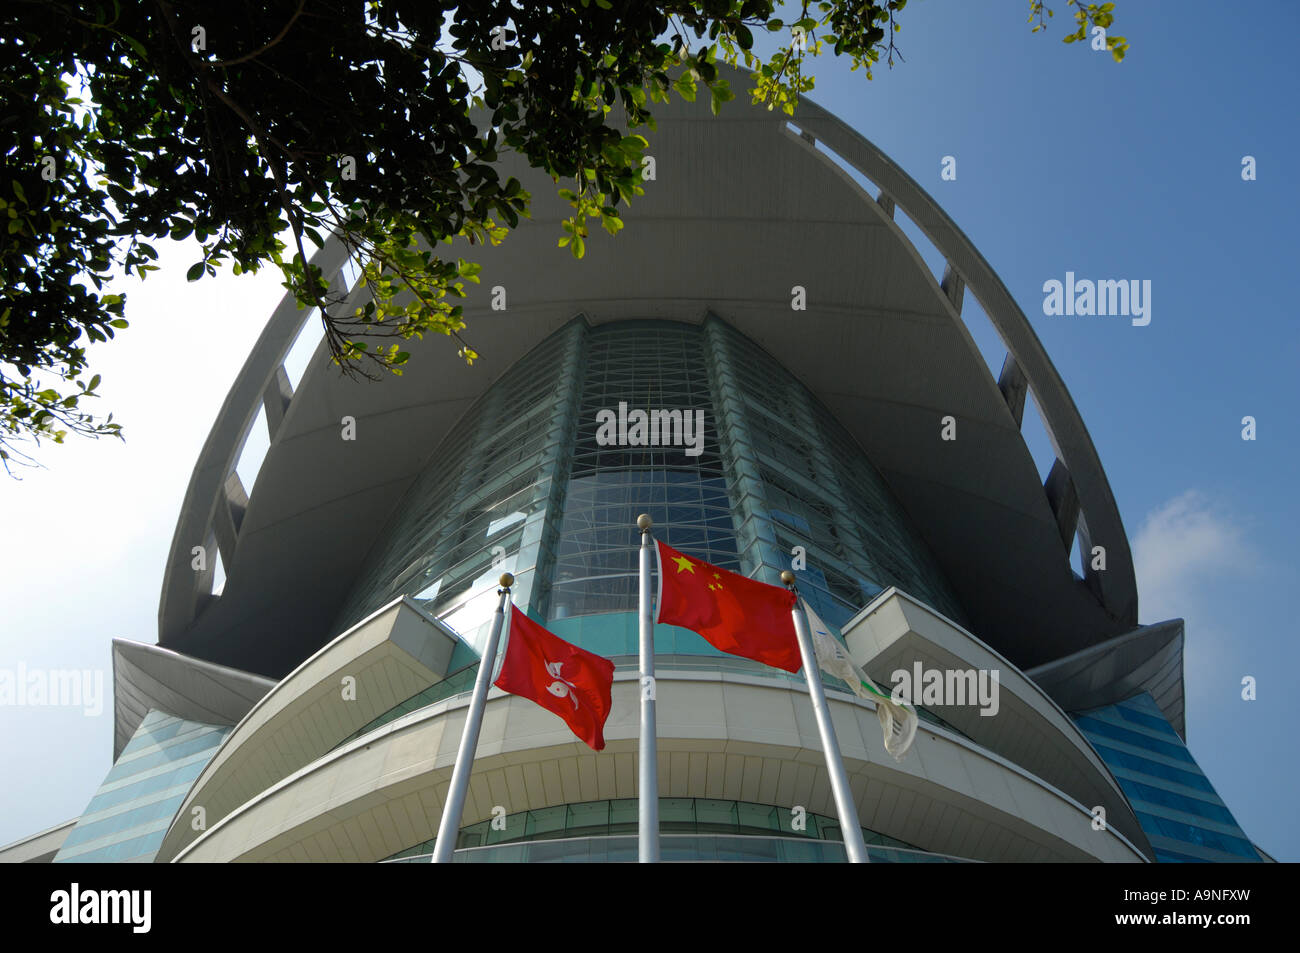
[(1066, 161)]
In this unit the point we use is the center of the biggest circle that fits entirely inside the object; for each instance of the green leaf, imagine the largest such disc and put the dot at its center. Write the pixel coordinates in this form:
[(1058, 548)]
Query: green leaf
[(195, 272), (119, 324), (136, 45), (720, 94)]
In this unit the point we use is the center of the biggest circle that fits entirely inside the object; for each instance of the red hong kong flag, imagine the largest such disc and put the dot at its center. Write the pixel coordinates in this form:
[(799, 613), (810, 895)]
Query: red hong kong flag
[(734, 613), (562, 678)]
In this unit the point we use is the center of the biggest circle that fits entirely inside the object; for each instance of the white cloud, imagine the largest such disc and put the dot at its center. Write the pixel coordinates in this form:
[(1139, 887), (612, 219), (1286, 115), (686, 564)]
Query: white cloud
[(1182, 549)]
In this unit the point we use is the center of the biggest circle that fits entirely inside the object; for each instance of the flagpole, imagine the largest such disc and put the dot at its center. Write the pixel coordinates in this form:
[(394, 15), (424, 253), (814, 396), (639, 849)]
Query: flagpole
[(648, 788), (454, 807), (844, 806)]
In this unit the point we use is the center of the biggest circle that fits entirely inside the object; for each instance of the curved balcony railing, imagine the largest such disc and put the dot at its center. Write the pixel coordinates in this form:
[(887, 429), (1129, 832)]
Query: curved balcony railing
[(622, 848)]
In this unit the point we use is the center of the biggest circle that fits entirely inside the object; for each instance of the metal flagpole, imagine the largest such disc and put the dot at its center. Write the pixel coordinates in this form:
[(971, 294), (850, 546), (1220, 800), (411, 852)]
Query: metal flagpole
[(449, 828), (648, 826), (844, 806)]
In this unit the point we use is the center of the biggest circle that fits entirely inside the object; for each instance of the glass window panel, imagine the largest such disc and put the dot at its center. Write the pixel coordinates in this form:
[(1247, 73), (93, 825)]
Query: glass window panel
[(624, 815), (545, 822), (1107, 730), (593, 841), (717, 816), (130, 812), (677, 813), (583, 818), (757, 817)]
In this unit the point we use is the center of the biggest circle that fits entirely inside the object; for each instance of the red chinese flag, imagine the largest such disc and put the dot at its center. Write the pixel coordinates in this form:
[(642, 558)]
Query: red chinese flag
[(734, 613), (562, 678)]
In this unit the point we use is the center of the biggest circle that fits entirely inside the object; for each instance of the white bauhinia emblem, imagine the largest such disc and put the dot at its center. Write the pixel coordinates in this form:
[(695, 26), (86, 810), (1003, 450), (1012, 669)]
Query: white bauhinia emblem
[(562, 687)]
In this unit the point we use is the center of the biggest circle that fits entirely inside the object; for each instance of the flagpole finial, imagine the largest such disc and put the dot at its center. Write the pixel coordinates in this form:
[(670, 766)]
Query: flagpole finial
[(507, 580), (787, 577), (644, 522)]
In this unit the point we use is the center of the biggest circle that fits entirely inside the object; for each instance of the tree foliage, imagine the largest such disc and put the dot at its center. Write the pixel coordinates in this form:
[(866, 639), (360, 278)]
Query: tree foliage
[(258, 127)]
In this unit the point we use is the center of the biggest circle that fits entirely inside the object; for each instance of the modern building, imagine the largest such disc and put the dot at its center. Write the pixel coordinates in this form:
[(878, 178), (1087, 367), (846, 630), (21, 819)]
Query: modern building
[(826, 408)]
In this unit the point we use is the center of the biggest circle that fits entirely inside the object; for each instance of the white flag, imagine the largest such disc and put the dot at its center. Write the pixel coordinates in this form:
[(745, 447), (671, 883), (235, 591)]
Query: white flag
[(896, 719)]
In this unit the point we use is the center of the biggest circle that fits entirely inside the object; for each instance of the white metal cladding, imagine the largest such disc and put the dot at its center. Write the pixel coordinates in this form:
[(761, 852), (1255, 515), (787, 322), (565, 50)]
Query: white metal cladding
[(146, 677), (722, 736)]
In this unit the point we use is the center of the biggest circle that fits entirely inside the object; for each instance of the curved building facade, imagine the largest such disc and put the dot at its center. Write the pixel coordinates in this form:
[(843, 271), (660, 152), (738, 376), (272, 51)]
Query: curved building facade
[(764, 363), (527, 482)]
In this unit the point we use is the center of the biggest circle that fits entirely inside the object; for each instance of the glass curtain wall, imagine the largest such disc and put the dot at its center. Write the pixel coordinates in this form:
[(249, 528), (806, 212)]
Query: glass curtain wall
[(483, 503), (799, 480), (1178, 808), (740, 465), (639, 367), (129, 814)]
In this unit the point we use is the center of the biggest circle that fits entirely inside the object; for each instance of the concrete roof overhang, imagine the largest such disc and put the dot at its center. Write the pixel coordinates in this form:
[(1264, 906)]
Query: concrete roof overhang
[(1023, 724), (742, 209), (150, 676), (389, 656), (1148, 659)]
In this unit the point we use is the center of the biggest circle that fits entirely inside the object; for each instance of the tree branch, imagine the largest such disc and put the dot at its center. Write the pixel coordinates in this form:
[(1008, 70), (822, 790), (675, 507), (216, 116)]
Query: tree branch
[(223, 64), (261, 136)]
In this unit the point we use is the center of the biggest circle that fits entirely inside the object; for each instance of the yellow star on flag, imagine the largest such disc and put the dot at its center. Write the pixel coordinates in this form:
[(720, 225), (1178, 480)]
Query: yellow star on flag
[(684, 564)]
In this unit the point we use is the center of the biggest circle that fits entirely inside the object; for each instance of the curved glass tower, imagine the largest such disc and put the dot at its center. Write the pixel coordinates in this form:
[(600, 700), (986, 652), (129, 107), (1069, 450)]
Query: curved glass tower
[(525, 483)]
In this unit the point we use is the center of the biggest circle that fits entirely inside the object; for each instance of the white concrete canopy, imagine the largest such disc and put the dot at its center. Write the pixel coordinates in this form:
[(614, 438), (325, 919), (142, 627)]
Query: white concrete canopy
[(723, 736), (146, 677), (1148, 659), (382, 661), (897, 632)]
